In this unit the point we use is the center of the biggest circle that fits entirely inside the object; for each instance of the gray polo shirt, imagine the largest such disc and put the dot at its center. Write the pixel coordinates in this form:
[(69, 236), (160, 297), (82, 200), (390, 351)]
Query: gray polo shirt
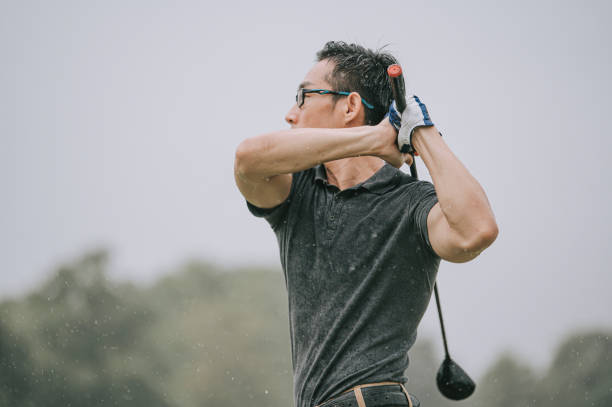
[(359, 271)]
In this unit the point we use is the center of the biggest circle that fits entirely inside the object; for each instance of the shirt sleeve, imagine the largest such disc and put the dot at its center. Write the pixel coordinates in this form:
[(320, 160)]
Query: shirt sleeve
[(427, 198), (276, 215)]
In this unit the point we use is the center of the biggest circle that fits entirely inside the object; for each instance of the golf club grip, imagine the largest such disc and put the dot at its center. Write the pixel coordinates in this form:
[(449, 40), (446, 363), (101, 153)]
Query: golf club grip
[(395, 78)]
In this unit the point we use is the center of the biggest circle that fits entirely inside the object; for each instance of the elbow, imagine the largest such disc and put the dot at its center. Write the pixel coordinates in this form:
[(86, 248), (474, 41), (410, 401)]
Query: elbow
[(489, 234), (243, 158), (484, 237)]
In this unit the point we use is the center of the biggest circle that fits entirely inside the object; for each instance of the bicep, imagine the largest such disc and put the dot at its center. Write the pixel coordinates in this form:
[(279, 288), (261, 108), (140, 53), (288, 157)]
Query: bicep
[(264, 192), (444, 240)]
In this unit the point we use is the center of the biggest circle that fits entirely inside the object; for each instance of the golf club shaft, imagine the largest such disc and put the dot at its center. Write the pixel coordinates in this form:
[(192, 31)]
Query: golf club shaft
[(395, 77), (441, 320)]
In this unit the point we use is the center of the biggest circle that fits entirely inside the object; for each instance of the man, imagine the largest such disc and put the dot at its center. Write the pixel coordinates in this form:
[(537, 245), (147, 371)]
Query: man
[(360, 241)]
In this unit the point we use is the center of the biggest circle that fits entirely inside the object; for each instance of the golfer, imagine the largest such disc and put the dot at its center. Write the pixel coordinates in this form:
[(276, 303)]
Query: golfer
[(360, 241)]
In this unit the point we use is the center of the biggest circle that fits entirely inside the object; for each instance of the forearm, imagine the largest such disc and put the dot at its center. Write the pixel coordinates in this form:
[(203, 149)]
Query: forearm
[(462, 200), (293, 150)]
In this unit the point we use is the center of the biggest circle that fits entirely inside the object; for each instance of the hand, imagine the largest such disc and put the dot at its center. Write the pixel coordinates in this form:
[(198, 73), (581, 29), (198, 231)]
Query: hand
[(388, 149), (415, 115)]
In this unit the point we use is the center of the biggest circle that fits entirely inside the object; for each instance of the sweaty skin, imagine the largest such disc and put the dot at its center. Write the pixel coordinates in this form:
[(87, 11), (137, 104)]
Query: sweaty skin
[(460, 226)]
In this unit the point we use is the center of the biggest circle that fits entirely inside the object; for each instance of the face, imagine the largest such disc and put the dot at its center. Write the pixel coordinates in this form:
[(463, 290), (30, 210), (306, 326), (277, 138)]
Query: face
[(317, 110)]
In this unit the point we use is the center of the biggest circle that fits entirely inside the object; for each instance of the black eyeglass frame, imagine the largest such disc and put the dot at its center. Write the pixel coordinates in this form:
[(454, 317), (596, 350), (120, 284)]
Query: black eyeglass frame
[(299, 96)]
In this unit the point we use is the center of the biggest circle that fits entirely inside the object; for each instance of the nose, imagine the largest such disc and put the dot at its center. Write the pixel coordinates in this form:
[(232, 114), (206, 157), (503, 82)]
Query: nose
[(292, 115)]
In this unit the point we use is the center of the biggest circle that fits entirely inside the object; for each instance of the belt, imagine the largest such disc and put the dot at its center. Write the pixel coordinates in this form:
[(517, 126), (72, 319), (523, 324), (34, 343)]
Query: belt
[(368, 395)]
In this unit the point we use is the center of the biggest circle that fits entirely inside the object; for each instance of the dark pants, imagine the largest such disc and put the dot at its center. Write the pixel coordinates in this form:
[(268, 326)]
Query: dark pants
[(373, 395)]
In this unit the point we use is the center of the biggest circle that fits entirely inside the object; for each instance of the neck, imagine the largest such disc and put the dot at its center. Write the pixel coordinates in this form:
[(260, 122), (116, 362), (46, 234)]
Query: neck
[(348, 172)]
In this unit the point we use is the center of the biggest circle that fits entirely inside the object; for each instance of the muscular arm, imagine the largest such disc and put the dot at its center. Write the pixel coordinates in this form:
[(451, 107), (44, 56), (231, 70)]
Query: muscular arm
[(264, 164), (461, 225)]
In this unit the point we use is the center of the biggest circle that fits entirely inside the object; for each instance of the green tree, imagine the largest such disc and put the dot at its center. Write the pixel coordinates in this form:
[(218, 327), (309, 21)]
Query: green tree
[(224, 338), (581, 372), (507, 383), (14, 364), (208, 336), (80, 330)]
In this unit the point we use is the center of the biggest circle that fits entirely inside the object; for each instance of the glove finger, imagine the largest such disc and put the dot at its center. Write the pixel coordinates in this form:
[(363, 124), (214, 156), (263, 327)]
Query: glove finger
[(416, 113), (403, 139)]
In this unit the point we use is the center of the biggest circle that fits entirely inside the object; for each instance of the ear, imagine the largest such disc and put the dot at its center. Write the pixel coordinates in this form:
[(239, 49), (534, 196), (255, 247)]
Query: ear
[(354, 114)]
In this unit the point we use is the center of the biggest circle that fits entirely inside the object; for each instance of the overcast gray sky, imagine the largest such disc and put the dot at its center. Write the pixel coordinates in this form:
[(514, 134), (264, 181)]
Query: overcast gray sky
[(119, 121)]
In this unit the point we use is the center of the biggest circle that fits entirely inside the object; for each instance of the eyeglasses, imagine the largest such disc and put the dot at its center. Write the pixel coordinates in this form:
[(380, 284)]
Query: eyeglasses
[(299, 97)]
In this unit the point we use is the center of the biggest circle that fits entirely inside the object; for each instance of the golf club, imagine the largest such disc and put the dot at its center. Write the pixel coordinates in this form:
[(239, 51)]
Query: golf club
[(453, 382)]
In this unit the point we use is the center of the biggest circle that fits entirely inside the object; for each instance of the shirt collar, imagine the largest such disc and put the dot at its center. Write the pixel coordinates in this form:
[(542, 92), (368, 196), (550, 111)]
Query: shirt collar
[(384, 180)]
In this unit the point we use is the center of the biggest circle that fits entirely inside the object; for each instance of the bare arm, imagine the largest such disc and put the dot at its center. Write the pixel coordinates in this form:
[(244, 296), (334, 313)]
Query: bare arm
[(264, 164), (461, 225)]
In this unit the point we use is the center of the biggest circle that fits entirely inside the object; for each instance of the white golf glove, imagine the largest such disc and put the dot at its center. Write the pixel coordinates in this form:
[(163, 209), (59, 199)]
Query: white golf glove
[(415, 115)]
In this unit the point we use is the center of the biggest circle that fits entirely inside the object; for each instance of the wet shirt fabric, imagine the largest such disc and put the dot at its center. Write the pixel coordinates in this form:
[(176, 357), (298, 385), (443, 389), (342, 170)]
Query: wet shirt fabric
[(359, 272)]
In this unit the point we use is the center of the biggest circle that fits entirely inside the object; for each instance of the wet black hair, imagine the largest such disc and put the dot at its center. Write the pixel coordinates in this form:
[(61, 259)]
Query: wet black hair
[(362, 70)]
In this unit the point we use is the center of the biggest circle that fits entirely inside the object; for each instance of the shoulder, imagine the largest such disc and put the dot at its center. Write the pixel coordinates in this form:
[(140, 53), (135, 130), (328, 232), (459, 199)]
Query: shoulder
[(408, 184)]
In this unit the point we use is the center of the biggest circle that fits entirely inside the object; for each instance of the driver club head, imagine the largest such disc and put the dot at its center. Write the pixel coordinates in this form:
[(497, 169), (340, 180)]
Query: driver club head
[(453, 382)]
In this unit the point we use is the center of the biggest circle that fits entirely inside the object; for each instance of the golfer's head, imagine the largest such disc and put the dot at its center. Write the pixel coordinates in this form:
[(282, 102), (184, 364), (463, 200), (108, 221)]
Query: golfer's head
[(348, 86)]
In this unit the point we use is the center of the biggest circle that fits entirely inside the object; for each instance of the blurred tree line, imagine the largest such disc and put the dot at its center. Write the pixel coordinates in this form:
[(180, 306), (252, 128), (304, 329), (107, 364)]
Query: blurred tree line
[(219, 338)]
